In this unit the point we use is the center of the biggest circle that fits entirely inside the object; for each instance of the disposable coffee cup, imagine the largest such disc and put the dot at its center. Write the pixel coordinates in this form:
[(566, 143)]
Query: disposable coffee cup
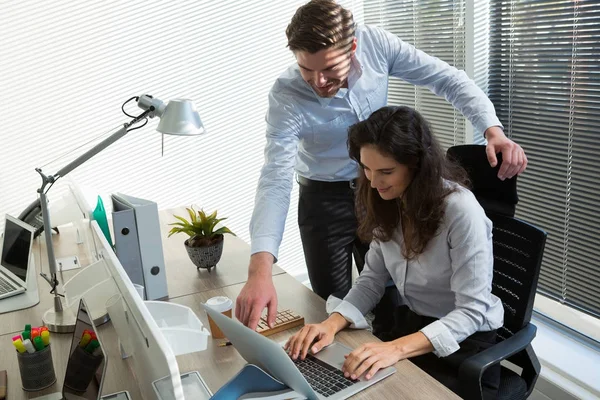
[(223, 305)]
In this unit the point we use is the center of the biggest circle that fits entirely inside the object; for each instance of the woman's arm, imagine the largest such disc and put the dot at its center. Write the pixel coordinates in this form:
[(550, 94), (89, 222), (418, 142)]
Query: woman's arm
[(475, 308)]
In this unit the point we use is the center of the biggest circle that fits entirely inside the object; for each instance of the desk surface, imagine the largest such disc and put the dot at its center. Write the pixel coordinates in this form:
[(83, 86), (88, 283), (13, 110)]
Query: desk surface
[(190, 287), (219, 364)]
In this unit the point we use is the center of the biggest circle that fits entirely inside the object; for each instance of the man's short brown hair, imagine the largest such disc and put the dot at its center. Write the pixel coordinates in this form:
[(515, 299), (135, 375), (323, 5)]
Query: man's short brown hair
[(320, 24)]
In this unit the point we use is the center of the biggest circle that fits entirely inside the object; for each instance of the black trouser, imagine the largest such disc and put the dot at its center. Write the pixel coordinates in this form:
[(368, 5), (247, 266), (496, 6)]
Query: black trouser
[(328, 231), (445, 369)]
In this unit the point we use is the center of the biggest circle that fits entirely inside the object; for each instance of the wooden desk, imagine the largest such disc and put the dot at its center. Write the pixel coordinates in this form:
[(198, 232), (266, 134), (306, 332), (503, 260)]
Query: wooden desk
[(219, 364), (190, 287)]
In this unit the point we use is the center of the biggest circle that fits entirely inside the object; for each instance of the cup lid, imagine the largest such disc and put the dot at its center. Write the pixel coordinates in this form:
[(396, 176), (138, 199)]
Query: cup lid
[(219, 303)]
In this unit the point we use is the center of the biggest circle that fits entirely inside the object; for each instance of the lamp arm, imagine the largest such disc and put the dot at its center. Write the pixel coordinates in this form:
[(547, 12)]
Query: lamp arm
[(50, 179), (99, 147)]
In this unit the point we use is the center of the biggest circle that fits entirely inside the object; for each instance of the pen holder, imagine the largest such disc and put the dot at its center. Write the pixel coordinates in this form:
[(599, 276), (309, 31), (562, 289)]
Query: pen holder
[(37, 369), (82, 367)]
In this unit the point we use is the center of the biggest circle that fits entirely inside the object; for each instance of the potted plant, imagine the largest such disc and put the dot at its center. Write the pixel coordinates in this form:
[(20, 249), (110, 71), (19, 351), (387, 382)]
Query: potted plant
[(205, 243)]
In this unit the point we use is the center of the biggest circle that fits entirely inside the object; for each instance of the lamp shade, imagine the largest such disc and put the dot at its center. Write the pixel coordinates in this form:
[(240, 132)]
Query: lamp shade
[(180, 118)]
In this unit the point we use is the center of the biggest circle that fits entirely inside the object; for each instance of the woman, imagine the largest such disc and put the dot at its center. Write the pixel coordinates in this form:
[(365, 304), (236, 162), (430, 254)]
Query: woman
[(432, 238)]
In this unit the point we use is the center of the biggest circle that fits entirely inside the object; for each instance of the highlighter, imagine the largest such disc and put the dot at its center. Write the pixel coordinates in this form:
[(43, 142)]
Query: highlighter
[(19, 346), (85, 339), (28, 327), (35, 332), (93, 345), (28, 346), (26, 334), (46, 338), (38, 343)]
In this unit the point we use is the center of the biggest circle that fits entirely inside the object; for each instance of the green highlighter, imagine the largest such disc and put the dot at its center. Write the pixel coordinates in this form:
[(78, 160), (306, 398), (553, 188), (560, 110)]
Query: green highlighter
[(38, 343), (26, 334), (92, 345)]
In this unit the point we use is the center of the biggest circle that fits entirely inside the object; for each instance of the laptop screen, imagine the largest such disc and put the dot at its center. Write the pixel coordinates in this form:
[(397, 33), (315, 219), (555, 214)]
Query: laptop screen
[(87, 363), (16, 247)]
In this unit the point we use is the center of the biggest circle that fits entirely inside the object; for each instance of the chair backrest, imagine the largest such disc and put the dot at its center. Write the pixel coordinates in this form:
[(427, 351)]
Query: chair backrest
[(493, 194), (518, 251)]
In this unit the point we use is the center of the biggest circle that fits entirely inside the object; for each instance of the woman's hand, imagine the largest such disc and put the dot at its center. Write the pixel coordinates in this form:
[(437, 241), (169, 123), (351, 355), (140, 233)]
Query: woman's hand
[(370, 358), (320, 334)]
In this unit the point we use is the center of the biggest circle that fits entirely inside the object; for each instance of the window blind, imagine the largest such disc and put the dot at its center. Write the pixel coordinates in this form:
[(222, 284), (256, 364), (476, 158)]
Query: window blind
[(67, 66), (438, 28), (545, 85)]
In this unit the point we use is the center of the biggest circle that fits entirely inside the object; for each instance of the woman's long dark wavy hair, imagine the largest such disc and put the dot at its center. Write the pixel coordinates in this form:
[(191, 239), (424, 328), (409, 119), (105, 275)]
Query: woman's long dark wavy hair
[(403, 134)]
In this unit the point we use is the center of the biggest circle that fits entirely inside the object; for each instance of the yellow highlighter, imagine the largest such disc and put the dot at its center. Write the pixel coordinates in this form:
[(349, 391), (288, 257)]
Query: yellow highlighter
[(19, 346), (45, 338), (85, 339)]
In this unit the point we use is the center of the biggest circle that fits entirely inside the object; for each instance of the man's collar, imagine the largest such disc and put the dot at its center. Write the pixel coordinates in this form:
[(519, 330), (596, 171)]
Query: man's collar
[(356, 69)]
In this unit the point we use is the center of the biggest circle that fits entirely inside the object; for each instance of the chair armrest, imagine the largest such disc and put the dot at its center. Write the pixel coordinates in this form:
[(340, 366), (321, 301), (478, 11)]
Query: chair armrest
[(471, 370)]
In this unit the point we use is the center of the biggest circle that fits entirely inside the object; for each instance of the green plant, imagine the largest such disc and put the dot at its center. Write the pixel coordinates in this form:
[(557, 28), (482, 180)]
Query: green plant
[(200, 228)]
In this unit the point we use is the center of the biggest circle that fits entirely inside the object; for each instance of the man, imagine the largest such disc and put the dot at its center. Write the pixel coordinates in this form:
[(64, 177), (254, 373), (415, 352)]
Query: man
[(340, 78)]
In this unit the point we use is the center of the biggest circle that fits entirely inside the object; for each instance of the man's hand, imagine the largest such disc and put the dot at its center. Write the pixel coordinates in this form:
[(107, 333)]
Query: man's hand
[(257, 293), (514, 160)]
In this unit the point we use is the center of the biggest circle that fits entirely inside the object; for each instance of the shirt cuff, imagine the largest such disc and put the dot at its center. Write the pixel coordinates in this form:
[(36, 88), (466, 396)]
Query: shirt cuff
[(348, 311), (485, 121), (441, 338), (264, 244)]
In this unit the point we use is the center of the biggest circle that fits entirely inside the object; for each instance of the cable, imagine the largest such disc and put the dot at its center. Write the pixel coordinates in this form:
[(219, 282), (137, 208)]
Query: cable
[(138, 127), (123, 106)]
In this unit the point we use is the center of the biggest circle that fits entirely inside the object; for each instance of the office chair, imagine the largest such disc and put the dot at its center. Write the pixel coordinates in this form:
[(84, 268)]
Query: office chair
[(518, 251), (493, 194)]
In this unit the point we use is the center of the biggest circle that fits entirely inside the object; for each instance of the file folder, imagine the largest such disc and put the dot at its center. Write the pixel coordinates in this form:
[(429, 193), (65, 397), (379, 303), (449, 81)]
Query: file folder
[(138, 243)]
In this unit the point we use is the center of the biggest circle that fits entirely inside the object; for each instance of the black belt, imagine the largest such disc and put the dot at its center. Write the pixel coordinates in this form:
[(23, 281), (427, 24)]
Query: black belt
[(327, 185)]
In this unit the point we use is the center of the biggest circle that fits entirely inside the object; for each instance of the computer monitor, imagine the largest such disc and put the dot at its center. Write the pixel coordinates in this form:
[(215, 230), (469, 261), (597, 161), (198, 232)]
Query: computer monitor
[(16, 247), (153, 359)]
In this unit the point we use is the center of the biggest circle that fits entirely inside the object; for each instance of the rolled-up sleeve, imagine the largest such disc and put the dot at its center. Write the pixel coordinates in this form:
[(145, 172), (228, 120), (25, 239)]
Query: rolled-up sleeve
[(417, 67), (475, 308), (276, 178)]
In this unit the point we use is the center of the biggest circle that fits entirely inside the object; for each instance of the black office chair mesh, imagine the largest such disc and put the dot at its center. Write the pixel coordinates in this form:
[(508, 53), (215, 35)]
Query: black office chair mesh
[(518, 251)]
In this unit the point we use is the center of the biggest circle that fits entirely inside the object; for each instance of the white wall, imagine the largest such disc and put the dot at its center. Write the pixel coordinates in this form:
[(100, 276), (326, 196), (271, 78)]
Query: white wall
[(67, 66)]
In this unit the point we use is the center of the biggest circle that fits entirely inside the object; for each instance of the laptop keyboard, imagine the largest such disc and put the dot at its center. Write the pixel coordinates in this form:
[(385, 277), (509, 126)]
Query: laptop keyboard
[(322, 377), (5, 286)]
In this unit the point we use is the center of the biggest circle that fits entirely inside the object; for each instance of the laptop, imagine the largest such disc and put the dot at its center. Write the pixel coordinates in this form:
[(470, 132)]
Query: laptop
[(317, 377), (14, 262)]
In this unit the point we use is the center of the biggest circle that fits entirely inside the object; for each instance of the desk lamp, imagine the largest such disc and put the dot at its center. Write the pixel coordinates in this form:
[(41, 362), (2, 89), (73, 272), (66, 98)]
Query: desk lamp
[(177, 117)]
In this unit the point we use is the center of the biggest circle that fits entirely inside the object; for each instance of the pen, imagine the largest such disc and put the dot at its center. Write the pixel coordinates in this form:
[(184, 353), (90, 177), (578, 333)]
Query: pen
[(223, 344), (28, 346), (19, 346)]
